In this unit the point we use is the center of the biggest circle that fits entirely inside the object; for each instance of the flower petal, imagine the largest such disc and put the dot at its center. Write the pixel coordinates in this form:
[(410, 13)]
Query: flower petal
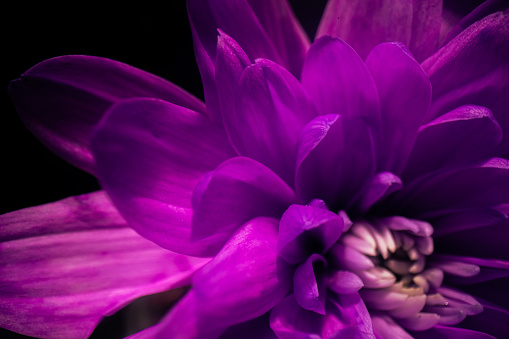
[(304, 230), (364, 24), (63, 98), (273, 109), (382, 184), (245, 280), (442, 332), (472, 70), (459, 221), (78, 265), (237, 191), (335, 160), (309, 286), (149, 159), (258, 328), (493, 320), (344, 87), (385, 328), (464, 135), (405, 96)]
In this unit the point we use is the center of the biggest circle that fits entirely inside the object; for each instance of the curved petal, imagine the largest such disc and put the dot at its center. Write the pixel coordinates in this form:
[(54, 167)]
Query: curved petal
[(304, 230), (483, 269), (245, 280), (484, 185), (150, 155), (61, 99), (237, 191), (258, 328), (459, 221), (335, 160), (472, 70), (386, 328), (83, 264), (493, 320), (442, 332), (364, 24), (382, 184), (404, 91), (309, 286), (464, 135), (271, 109), (338, 81)]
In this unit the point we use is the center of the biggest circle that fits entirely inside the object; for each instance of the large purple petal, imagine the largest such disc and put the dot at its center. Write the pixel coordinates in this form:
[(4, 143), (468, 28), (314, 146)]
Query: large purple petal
[(335, 160), (364, 24), (484, 185), (59, 277), (459, 221), (338, 81), (462, 136), (245, 280), (237, 191), (472, 70), (62, 99), (150, 155), (272, 107), (405, 95)]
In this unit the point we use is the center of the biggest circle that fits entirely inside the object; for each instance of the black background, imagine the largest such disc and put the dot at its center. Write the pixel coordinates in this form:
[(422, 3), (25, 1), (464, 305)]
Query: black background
[(154, 38)]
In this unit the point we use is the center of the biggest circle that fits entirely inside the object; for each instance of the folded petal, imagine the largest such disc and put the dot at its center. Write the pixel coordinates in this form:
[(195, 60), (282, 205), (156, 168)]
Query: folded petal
[(62, 99), (309, 286), (271, 109), (150, 155), (82, 265), (338, 81), (405, 96), (245, 280), (335, 160), (472, 70), (364, 24), (464, 135), (237, 191)]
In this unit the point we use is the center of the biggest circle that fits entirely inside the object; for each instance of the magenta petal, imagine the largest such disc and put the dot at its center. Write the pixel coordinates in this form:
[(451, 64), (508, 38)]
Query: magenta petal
[(237, 191), (83, 265), (364, 24), (459, 221), (475, 131), (309, 286), (472, 70), (381, 185), (272, 107), (385, 328), (405, 96), (493, 320), (150, 155), (335, 160), (304, 230), (62, 99), (485, 269), (344, 282), (442, 332), (245, 280), (258, 328), (345, 87)]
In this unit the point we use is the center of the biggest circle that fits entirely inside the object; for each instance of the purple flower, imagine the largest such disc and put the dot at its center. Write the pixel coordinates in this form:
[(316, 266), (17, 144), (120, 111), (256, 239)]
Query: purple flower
[(327, 190)]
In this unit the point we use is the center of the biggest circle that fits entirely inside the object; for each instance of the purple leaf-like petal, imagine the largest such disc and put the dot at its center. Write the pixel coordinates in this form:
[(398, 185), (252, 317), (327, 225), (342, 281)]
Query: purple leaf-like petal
[(309, 286), (405, 95), (335, 160), (364, 24), (271, 109), (344, 282), (304, 230), (149, 159), (245, 280), (237, 191), (338, 81), (459, 221), (484, 269), (493, 320), (78, 265), (61, 100), (472, 70), (381, 185), (385, 328), (442, 332), (476, 134)]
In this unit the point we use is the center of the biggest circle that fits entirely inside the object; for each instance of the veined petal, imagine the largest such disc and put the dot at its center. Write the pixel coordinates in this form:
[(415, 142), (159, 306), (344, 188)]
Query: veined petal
[(237, 191), (456, 82), (271, 109), (61, 100), (244, 280), (82, 265), (404, 91), (149, 159), (476, 134), (364, 24)]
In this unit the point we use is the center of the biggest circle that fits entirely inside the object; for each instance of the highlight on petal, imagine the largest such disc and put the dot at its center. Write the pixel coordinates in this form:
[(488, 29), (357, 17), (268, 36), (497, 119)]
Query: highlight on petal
[(61, 100), (271, 109), (237, 191), (245, 280), (83, 264), (149, 159), (364, 24), (309, 286)]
